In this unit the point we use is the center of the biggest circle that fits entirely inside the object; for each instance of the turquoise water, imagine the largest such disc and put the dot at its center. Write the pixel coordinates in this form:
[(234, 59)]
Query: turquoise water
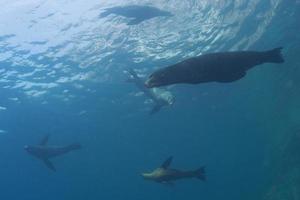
[(62, 71)]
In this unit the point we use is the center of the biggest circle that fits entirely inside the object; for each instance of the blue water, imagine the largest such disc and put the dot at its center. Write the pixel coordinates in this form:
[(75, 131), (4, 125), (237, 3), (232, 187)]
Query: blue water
[(62, 73)]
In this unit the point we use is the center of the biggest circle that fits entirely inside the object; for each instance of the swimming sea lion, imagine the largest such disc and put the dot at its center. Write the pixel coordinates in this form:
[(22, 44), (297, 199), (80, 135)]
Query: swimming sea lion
[(159, 97), (221, 67), (166, 175), (137, 13), (44, 152)]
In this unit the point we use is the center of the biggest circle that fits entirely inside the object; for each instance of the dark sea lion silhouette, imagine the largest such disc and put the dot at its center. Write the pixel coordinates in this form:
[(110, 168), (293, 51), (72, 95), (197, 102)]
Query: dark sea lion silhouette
[(136, 12), (159, 99), (166, 175), (44, 152), (221, 67)]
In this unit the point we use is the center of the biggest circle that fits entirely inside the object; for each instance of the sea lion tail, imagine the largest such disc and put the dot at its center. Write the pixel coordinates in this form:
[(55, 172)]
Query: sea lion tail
[(275, 55), (200, 173)]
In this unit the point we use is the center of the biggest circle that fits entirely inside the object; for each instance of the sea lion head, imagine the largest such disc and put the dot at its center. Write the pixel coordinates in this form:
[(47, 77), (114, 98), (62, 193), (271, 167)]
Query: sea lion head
[(154, 175), (157, 79), (165, 97), (33, 150), (29, 149), (147, 176)]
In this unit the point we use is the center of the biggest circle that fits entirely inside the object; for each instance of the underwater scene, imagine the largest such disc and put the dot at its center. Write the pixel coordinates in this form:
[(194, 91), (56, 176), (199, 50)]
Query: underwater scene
[(150, 100)]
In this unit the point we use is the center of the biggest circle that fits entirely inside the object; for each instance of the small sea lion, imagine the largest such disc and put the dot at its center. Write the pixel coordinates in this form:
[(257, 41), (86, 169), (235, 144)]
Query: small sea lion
[(223, 67), (44, 152), (166, 175), (159, 97), (137, 13)]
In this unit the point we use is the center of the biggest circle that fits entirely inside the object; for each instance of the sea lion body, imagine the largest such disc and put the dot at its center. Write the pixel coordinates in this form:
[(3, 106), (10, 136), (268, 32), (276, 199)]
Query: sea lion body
[(44, 152), (221, 67), (164, 174)]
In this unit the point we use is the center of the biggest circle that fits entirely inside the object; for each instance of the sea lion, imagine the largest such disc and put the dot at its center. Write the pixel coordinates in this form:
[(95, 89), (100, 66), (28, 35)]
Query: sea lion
[(44, 152), (223, 67), (166, 175), (159, 97), (137, 13)]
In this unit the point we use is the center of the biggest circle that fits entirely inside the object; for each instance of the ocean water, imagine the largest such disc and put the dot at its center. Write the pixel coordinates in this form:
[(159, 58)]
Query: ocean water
[(62, 72)]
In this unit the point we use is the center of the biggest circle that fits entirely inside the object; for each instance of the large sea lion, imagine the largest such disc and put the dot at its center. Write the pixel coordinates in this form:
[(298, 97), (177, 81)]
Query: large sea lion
[(164, 174), (223, 67), (44, 152)]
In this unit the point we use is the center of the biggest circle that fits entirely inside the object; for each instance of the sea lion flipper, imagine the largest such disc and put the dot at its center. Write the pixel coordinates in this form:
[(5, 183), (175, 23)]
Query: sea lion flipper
[(167, 162), (132, 75), (155, 109), (49, 164), (275, 55), (44, 141), (132, 72)]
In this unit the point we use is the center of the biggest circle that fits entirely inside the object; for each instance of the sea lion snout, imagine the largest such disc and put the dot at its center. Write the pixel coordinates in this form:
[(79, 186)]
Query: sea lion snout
[(146, 176), (152, 82), (149, 83), (158, 79), (28, 149)]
